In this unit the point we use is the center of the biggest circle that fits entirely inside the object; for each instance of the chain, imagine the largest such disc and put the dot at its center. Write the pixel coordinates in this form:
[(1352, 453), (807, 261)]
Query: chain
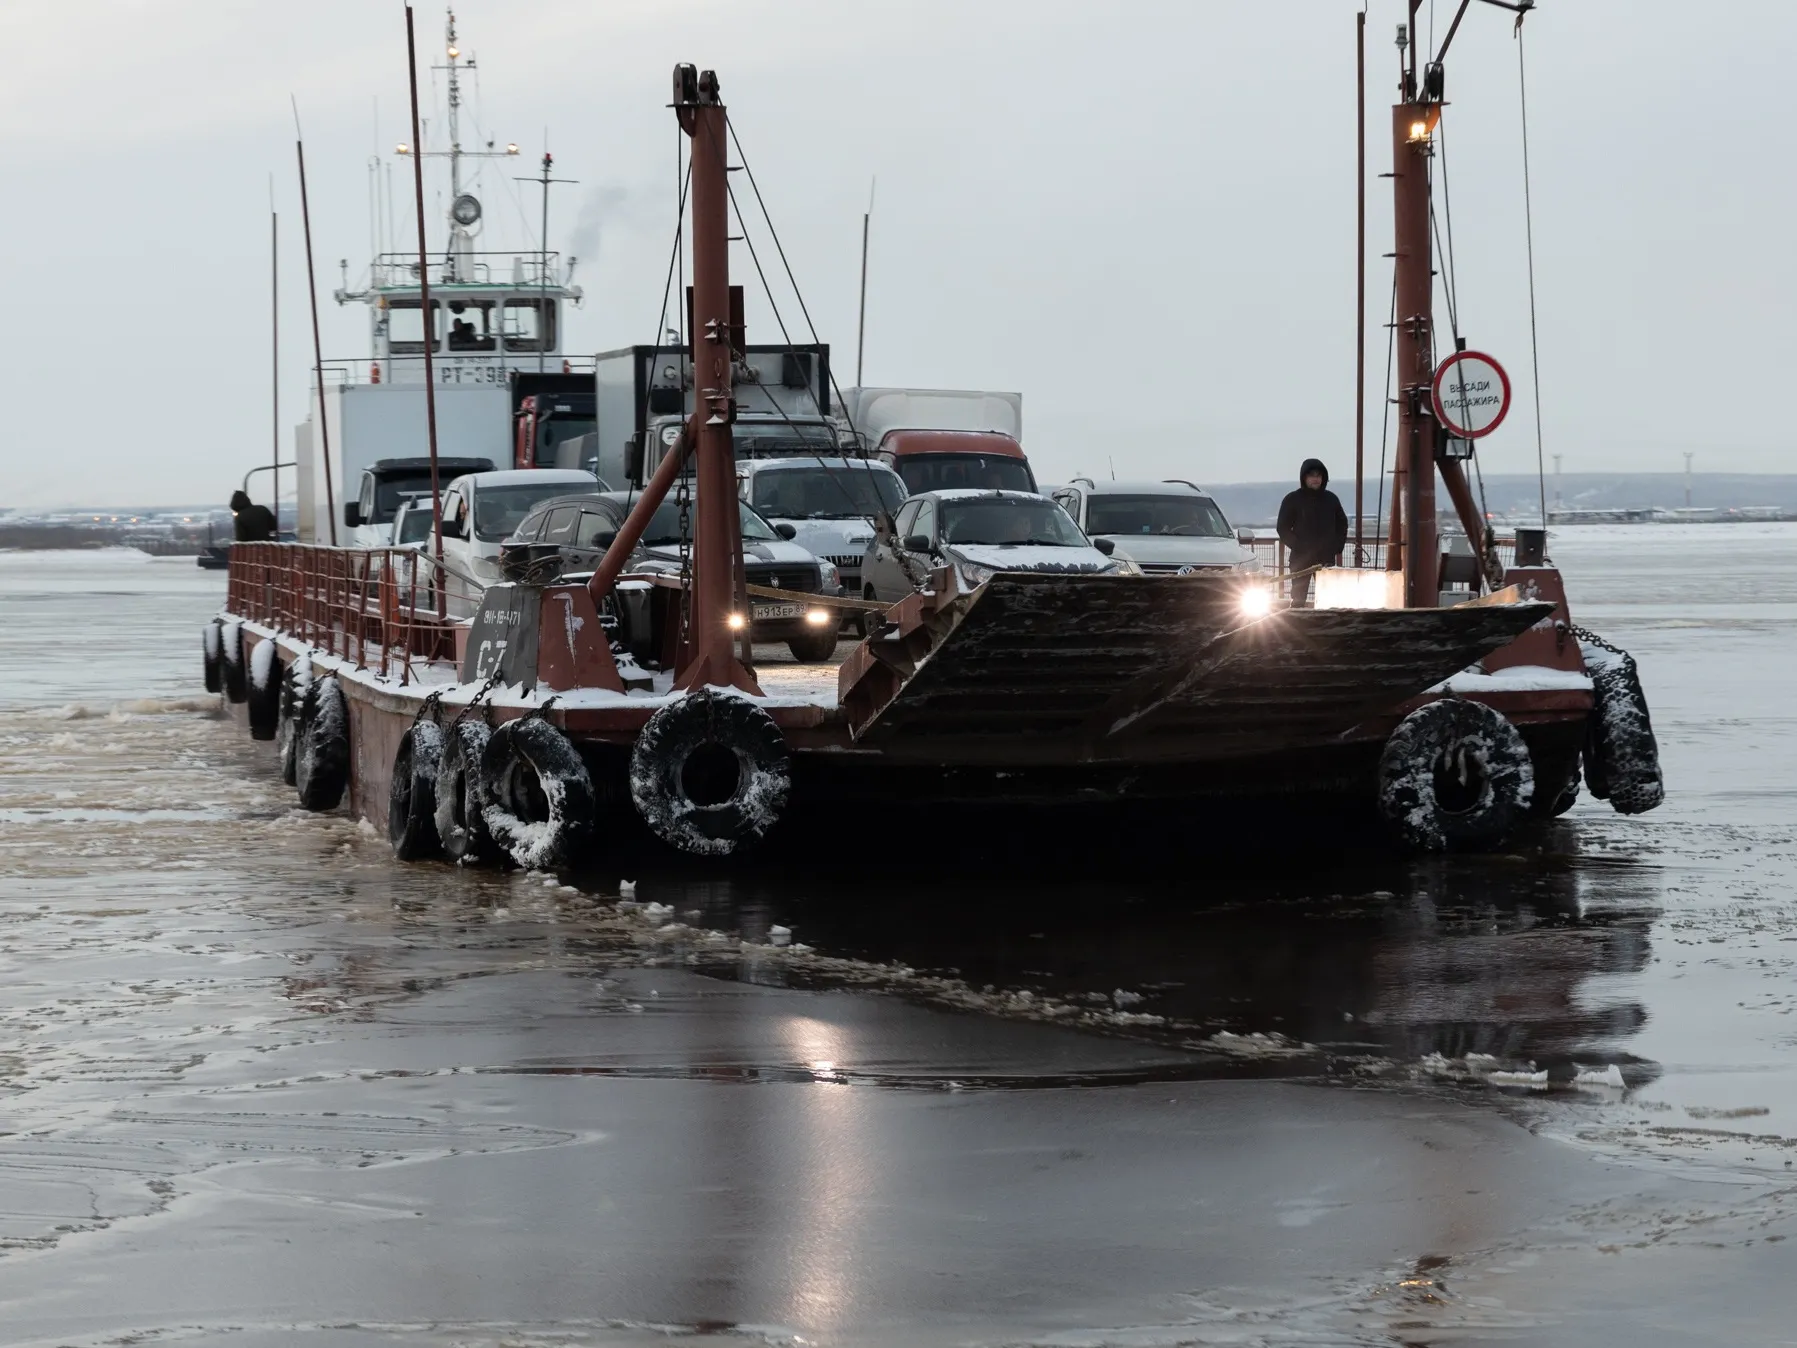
[(539, 713), (473, 702), (433, 708), (683, 500), (1587, 637)]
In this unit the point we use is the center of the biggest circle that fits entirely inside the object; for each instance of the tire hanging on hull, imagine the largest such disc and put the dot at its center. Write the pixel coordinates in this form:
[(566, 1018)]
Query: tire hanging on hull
[(412, 798), (1454, 774), (460, 828), (265, 692), (1622, 758), (236, 679), (321, 754), (537, 796), (710, 773), (294, 686), (212, 649)]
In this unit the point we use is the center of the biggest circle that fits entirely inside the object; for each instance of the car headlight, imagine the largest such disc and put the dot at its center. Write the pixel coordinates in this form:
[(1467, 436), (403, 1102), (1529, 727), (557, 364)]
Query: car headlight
[(1123, 566), (972, 577), (828, 576), (1251, 566)]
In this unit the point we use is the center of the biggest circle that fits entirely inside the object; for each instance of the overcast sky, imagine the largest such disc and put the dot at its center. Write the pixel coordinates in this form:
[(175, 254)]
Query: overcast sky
[(1139, 214)]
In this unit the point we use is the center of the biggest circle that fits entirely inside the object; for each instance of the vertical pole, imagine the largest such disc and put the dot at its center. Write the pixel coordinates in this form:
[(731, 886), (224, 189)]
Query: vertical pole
[(717, 532), (324, 425), (1415, 351), (430, 326), (274, 355), (1359, 282), (861, 322), (543, 275)]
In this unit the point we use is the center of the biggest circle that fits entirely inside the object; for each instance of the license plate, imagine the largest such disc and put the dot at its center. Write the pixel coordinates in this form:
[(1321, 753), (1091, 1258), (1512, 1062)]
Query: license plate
[(767, 612)]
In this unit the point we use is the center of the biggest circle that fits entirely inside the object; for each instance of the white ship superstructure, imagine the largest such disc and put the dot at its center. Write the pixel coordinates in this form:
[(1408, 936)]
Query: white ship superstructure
[(491, 313)]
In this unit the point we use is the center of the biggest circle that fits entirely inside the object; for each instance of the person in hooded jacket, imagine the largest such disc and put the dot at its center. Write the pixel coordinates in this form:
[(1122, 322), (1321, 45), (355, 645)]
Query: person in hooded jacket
[(251, 523), (1312, 525)]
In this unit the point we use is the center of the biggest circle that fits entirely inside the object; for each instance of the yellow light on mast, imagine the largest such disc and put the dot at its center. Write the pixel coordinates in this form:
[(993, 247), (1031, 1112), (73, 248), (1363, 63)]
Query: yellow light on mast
[(402, 148), (454, 52)]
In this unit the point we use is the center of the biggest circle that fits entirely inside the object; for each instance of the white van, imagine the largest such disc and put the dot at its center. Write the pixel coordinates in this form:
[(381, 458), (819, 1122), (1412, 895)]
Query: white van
[(1165, 528), (831, 503), (480, 510)]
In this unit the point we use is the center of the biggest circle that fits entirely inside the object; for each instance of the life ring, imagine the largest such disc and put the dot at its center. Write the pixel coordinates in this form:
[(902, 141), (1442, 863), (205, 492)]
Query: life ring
[(231, 661), (537, 797), (710, 773), (1454, 774), (412, 798), (460, 828), (294, 685), (321, 753), (211, 646), (1622, 758), (264, 697)]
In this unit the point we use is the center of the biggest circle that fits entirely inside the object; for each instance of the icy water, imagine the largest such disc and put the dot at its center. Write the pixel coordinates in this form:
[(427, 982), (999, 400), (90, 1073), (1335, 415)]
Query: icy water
[(261, 1085)]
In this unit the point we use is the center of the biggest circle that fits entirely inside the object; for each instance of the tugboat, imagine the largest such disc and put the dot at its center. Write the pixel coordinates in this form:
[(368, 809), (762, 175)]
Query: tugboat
[(512, 736)]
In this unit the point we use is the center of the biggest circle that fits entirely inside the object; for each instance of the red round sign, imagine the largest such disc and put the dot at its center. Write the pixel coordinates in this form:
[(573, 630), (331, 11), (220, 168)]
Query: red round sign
[(1472, 394)]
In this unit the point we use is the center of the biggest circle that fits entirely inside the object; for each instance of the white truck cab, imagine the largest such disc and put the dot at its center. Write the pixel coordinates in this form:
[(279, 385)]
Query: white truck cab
[(831, 502)]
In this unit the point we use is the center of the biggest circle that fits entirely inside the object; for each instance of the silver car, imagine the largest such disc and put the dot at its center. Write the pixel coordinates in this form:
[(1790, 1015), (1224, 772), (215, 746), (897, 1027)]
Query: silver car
[(979, 533)]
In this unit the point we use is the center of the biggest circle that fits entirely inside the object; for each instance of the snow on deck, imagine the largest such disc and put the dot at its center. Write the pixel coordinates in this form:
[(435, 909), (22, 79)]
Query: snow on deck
[(784, 681), (1514, 679)]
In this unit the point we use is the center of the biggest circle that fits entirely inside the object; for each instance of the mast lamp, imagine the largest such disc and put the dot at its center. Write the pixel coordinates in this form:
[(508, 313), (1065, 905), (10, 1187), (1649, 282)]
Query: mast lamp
[(1423, 123)]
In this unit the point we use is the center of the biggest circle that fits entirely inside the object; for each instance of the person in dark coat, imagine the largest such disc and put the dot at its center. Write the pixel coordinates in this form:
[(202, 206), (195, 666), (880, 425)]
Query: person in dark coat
[(1312, 525), (251, 523)]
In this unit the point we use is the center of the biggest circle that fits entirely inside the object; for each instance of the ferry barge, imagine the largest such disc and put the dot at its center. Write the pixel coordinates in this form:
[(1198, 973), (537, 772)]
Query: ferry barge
[(507, 737)]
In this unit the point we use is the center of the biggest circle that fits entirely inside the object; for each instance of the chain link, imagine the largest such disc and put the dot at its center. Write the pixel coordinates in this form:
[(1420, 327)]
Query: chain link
[(683, 501)]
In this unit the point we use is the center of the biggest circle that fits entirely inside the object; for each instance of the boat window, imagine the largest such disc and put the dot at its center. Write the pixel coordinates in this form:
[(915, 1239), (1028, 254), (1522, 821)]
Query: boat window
[(951, 472), (855, 491), (592, 524), (926, 521), (561, 525), (1003, 520), (1179, 516), (524, 325), (405, 327), (471, 325)]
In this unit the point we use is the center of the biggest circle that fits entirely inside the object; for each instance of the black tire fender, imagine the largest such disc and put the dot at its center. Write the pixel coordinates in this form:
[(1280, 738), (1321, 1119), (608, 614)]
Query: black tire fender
[(212, 649), (230, 658), (705, 730), (412, 797), (537, 796), (460, 828), (1455, 774), (294, 685), (1622, 757), (321, 754), (265, 690)]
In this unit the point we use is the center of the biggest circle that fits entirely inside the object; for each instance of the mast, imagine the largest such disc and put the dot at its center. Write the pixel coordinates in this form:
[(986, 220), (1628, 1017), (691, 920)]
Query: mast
[(1359, 286), (1412, 127), (274, 351), (717, 533), (430, 325)]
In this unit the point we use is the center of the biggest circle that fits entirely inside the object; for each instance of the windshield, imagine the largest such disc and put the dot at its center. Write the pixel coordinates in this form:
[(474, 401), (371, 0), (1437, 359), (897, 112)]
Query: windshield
[(415, 525), (827, 493), (390, 493), (1007, 522), (771, 439), (952, 472), (557, 429), (1184, 516), (664, 525), (498, 511)]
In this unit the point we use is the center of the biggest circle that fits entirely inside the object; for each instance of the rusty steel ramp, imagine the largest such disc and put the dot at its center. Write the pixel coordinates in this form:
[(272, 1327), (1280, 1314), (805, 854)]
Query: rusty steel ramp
[(1042, 668)]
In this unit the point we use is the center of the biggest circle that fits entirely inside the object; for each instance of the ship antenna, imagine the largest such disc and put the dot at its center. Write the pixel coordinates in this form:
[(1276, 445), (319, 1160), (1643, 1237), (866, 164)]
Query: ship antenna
[(543, 264)]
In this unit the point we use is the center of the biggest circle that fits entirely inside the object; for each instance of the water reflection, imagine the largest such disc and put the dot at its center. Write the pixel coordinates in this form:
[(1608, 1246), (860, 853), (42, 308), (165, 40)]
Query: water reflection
[(1518, 957)]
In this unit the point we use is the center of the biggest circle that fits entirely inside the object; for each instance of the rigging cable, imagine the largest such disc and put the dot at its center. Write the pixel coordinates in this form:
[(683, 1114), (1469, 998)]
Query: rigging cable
[(1391, 332), (1528, 211), (1451, 283)]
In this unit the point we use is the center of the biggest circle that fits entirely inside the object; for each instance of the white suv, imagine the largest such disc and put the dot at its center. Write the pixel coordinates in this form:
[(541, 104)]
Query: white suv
[(1165, 528), (480, 510)]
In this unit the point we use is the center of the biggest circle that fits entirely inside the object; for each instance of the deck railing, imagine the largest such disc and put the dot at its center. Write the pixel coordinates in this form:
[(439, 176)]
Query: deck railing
[(1276, 561), (383, 608)]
